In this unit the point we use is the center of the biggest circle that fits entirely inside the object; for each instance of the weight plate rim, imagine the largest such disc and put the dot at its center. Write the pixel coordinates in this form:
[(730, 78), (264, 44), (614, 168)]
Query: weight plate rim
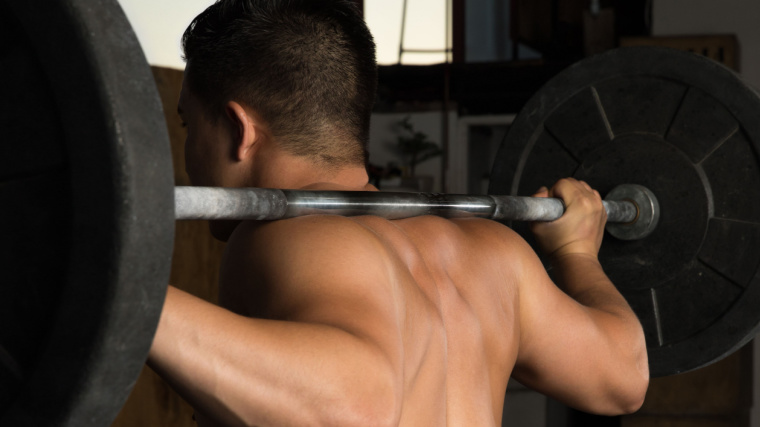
[(87, 371)]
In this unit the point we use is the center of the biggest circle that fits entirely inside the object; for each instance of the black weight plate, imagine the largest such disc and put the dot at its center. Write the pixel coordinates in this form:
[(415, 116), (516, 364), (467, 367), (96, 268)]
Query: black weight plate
[(33, 274), (686, 128), (87, 219)]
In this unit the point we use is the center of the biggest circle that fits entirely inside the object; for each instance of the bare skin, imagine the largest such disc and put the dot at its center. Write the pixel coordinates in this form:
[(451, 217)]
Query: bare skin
[(327, 320)]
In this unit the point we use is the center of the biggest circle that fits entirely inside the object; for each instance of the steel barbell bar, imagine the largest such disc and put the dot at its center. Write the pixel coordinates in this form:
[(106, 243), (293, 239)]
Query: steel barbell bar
[(632, 210)]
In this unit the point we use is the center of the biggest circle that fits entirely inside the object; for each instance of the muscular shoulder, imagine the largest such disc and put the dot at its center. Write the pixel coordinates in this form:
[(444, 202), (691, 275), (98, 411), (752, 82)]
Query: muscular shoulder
[(488, 240), (308, 260), (308, 237)]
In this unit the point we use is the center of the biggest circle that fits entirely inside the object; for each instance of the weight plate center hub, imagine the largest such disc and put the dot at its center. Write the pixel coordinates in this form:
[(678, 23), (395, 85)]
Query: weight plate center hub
[(685, 206)]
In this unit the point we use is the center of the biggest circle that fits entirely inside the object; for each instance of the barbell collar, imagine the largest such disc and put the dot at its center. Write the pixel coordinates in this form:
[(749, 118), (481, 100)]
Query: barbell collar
[(647, 212), (210, 203)]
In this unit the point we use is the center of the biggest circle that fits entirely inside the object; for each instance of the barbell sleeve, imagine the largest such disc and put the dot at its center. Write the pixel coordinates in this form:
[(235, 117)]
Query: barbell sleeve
[(209, 203)]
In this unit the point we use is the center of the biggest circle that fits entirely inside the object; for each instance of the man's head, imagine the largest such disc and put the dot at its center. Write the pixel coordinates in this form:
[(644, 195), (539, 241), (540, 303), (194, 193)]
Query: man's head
[(305, 67)]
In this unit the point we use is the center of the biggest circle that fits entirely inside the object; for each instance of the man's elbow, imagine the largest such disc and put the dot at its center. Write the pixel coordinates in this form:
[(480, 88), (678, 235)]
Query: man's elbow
[(622, 391), (630, 394), (633, 374), (620, 401), (635, 397)]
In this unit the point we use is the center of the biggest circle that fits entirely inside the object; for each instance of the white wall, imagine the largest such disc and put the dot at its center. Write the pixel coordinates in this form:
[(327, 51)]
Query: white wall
[(690, 17), (159, 25)]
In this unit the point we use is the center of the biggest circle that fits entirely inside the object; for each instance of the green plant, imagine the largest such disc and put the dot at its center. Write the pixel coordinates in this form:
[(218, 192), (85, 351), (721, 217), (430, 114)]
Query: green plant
[(415, 146)]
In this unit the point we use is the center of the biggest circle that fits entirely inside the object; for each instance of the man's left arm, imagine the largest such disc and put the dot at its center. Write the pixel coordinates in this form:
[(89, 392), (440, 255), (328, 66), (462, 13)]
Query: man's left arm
[(335, 360)]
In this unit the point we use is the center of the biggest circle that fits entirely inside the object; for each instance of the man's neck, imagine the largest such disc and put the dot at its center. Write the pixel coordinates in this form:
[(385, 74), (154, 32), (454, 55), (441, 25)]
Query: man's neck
[(280, 170), (288, 172), (347, 179)]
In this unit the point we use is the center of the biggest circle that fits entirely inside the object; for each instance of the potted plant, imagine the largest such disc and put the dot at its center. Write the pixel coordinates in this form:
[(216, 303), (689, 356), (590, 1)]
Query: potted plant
[(414, 146)]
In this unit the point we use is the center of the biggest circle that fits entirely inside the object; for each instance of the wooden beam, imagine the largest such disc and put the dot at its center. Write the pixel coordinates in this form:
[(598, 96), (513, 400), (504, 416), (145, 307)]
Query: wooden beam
[(458, 31)]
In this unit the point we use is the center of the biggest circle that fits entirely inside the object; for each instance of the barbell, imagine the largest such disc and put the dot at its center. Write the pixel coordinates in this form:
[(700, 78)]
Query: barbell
[(632, 210), (85, 176)]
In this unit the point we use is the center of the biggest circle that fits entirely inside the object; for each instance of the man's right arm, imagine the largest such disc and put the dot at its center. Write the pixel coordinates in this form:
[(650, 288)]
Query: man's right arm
[(334, 359), (580, 343)]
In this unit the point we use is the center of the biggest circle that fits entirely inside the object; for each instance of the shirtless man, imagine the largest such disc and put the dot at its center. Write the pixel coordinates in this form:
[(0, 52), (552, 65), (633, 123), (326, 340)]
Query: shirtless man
[(326, 320)]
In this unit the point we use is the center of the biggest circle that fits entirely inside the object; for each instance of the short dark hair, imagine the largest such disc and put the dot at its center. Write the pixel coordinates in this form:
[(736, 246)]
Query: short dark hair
[(306, 66)]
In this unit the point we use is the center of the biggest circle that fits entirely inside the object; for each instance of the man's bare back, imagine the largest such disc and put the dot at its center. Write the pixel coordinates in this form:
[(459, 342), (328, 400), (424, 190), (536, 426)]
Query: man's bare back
[(364, 321), (450, 313), (438, 308)]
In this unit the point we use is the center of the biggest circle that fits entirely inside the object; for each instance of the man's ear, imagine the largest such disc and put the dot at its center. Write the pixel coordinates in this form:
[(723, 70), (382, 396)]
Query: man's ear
[(245, 130)]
